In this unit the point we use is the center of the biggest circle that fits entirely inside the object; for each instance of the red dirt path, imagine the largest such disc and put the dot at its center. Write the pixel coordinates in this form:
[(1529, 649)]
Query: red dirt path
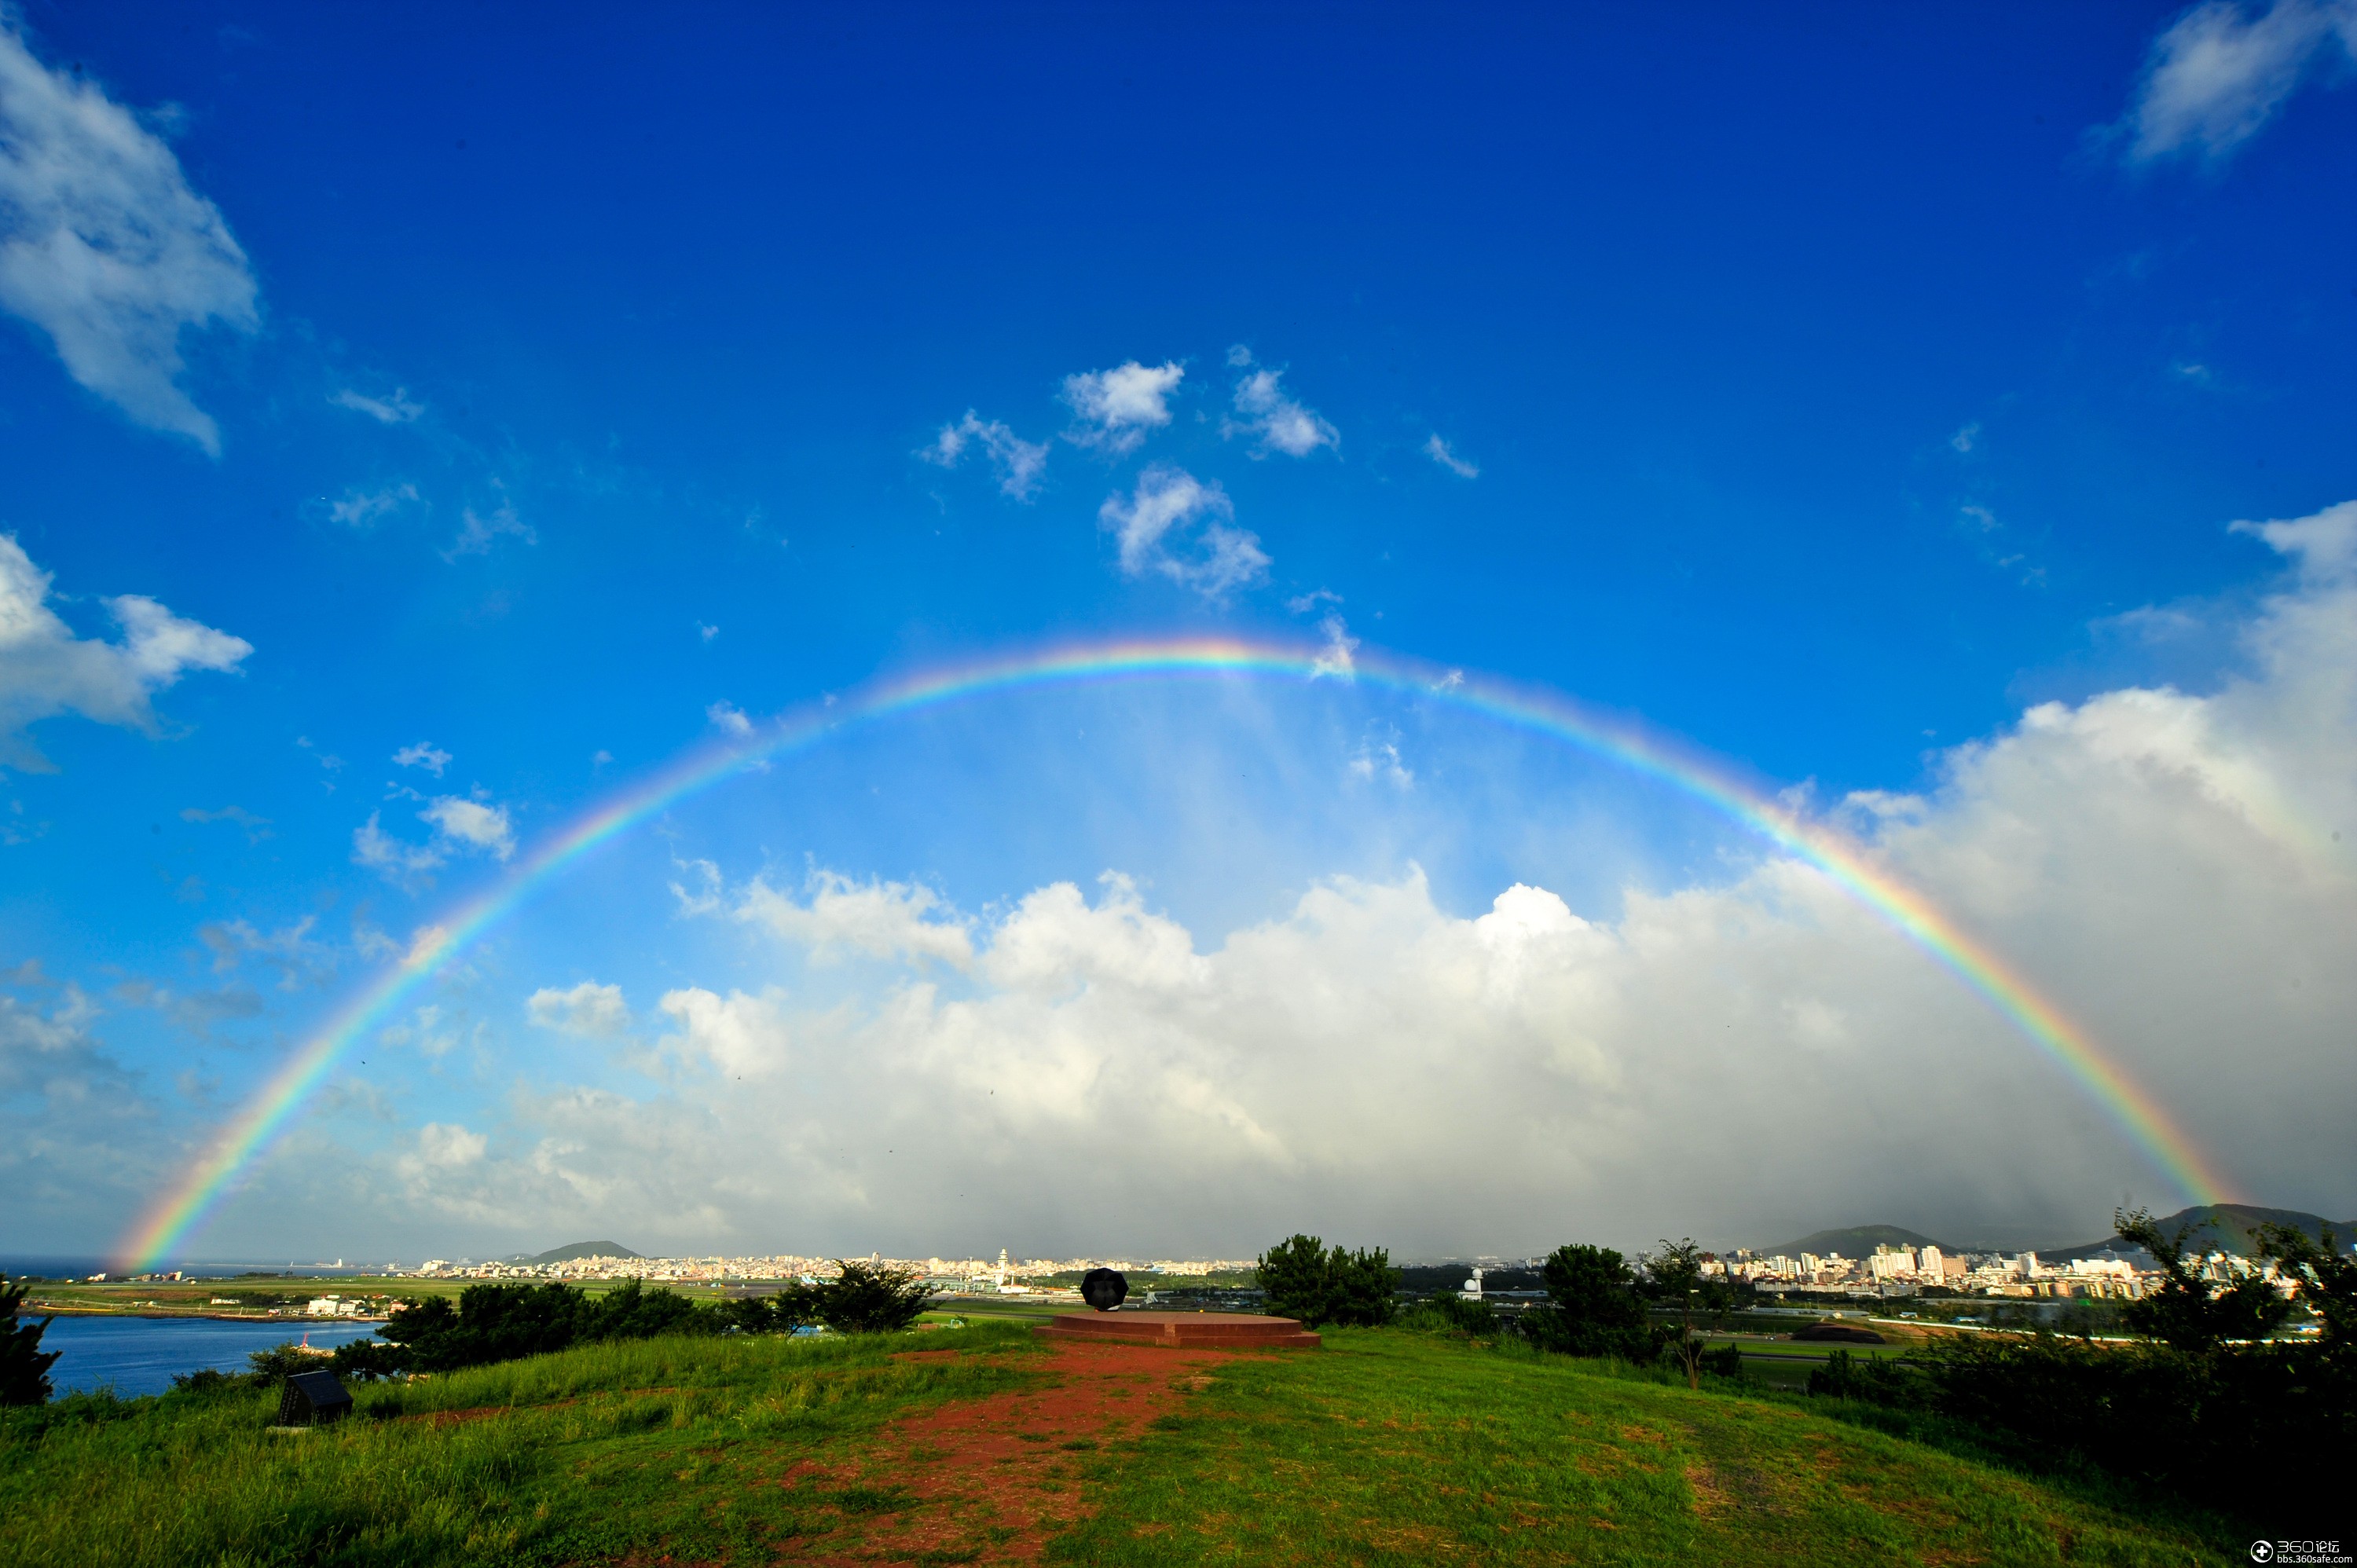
[(990, 1476)]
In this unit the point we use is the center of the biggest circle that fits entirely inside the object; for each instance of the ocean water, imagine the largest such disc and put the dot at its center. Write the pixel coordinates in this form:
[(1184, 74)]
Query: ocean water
[(140, 1355)]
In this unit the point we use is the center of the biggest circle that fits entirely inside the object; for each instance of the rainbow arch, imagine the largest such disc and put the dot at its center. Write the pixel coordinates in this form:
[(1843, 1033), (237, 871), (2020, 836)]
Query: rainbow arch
[(177, 1212)]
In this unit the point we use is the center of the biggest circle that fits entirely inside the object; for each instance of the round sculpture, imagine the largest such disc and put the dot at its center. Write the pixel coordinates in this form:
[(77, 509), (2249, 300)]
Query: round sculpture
[(1104, 1289)]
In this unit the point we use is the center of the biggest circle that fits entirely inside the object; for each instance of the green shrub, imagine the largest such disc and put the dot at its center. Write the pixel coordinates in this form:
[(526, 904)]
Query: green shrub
[(1301, 1278), (1593, 1307), (865, 1299)]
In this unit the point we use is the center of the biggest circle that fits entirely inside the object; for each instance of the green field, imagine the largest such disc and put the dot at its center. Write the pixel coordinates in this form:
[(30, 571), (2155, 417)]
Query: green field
[(1386, 1447)]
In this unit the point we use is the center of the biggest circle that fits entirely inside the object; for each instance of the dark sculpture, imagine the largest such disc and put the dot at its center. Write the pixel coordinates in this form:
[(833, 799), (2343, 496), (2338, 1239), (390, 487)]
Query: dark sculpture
[(1104, 1289)]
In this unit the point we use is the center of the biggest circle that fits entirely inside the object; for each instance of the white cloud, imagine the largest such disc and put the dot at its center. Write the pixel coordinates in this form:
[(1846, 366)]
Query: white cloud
[(1739, 1057), (363, 509), (2218, 74), (1336, 657), (404, 864), (425, 755), (881, 919), (1165, 508), (1018, 463), (105, 247), (478, 533), (706, 633), (1440, 451), (1966, 437), (590, 1011), (45, 670), (1280, 424), (442, 1147), (397, 409), (1117, 407), (476, 823), (459, 823), (728, 717)]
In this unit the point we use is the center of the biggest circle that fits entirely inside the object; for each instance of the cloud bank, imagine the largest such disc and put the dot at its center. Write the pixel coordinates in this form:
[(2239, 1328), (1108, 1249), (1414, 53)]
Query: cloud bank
[(1079, 1069)]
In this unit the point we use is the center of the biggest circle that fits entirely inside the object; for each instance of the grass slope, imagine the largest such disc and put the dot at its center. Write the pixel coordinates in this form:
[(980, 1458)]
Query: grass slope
[(1386, 1447), (1396, 1448), (613, 1452)]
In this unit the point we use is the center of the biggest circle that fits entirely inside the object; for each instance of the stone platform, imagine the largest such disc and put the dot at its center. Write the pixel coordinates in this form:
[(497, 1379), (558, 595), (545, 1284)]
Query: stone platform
[(1194, 1330)]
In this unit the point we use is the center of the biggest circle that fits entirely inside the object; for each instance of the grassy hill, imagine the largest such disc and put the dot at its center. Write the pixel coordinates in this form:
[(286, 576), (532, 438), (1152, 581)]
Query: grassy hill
[(984, 1444), (1857, 1241)]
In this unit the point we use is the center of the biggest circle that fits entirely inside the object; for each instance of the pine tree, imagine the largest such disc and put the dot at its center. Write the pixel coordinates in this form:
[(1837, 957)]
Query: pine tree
[(24, 1365)]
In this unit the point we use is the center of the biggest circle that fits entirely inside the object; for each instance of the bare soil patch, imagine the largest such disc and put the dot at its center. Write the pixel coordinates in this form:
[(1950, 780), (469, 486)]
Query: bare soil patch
[(991, 1480)]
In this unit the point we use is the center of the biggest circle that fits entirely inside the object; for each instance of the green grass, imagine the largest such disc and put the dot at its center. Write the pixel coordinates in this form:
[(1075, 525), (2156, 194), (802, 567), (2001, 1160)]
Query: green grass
[(1389, 1448), (604, 1453), (1385, 1447)]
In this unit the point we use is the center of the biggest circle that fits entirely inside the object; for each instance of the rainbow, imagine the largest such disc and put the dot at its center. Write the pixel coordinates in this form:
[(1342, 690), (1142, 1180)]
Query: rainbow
[(185, 1206)]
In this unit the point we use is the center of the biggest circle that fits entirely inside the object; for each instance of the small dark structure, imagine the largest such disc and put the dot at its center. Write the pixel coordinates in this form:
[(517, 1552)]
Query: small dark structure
[(1841, 1332), (1104, 1289), (313, 1397)]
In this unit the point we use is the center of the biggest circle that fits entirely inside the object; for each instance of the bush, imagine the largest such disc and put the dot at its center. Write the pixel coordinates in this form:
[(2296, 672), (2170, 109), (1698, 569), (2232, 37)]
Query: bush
[(504, 1323), (1300, 1278), (1448, 1313), (865, 1299)]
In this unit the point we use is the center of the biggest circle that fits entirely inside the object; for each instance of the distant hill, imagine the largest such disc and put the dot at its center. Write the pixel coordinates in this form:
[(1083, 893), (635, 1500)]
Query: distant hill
[(1858, 1241), (581, 1250), (2217, 1228)]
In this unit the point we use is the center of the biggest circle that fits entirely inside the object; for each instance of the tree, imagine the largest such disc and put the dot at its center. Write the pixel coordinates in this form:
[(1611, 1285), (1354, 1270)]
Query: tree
[(281, 1361), (2185, 1312), (24, 1365), (1593, 1308), (1294, 1281), (1303, 1279), (866, 1299), (2327, 1276), (1673, 1275)]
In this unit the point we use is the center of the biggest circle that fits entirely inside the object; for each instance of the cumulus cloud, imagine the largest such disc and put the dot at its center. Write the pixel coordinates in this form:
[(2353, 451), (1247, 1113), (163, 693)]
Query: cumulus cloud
[(1337, 658), (728, 718), (1277, 421), (460, 826), (1178, 526), (397, 409), (590, 1011), (2218, 74), (1738, 1056), (105, 248), (45, 670), (881, 919), (1019, 464), (1116, 408)]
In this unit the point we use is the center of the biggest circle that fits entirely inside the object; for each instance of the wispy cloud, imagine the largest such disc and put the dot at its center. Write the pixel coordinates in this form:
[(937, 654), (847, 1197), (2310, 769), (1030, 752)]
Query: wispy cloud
[(479, 532), (399, 408), (1116, 408), (1440, 451), (1178, 526), (587, 1010), (424, 755), (460, 824), (729, 718), (45, 670), (1336, 657), (1019, 464), (2217, 75), (1279, 422), (1966, 437), (363, 509), (103, 246), (257, 828)]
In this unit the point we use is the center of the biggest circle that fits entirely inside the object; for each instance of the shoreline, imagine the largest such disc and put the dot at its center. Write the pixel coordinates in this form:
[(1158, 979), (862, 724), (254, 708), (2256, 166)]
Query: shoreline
[(31, 1308)]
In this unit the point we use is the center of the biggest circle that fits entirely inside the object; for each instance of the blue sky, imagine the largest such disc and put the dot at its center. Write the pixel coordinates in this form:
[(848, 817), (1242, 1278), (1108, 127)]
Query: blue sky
[(527, 395)]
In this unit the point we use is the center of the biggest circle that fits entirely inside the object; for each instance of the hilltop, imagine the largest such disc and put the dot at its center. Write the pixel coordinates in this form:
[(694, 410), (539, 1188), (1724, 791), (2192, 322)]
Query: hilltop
[(576, 1251), (2217, 1227)]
